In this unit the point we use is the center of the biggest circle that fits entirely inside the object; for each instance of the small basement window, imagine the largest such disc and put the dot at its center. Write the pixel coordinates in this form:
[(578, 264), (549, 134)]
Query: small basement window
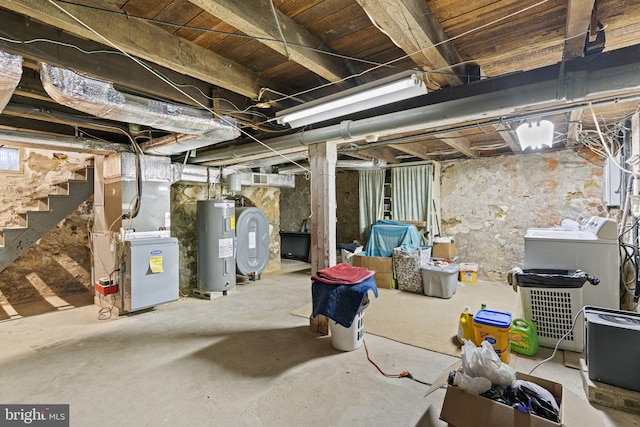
[(9, 159)]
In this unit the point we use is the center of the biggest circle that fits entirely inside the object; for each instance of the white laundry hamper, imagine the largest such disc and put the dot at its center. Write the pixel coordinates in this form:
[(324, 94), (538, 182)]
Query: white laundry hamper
[(348, 339)]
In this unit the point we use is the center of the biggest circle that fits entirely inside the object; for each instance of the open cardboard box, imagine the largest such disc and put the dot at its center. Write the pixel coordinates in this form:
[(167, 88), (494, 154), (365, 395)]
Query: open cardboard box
[(383, 266), (462, 409)]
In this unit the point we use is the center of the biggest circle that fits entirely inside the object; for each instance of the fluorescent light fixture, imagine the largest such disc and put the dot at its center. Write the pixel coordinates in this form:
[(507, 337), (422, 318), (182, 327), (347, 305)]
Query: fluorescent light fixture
[(381, 92), (535, 134)]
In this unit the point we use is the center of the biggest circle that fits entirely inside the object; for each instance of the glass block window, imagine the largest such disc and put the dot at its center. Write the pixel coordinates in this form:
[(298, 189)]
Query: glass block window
[(9, 159)]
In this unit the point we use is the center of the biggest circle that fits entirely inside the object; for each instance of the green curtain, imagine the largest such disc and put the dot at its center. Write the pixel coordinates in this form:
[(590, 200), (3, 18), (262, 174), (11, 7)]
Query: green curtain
[(371, 188), (412, 195)]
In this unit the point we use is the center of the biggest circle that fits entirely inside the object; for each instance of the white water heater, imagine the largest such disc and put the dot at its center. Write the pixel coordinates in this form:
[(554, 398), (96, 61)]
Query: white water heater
[(216, 246)]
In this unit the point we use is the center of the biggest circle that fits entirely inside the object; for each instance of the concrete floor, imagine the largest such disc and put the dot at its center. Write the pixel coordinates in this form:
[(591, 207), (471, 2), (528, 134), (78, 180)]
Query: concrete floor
[(239, 360)]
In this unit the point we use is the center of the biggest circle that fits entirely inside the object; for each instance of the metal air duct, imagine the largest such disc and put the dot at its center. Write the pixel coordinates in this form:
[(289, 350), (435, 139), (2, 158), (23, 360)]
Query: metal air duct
[(175, 144), (101, 99), (67, 143), (10, 74)]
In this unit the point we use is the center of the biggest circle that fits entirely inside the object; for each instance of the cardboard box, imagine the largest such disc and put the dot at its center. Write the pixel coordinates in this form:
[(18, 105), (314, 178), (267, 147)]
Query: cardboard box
[(463, 409), (444, 250), (468, 273), (383, 266)]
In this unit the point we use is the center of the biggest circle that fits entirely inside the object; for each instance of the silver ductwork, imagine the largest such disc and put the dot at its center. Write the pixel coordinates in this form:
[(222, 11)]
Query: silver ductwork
[(361, 164), (176, 144), (192, 174), (10, 74), (66, 143), (101, 99), (340, 164)]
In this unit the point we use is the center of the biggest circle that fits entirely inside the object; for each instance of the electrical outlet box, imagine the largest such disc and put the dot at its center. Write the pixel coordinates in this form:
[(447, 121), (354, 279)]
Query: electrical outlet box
[(106, 287)]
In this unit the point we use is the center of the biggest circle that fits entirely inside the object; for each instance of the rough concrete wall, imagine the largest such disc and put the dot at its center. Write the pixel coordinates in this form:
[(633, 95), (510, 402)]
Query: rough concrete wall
[(488, 204), (294, 205), (61, 259), (347, 206), (184, 217)]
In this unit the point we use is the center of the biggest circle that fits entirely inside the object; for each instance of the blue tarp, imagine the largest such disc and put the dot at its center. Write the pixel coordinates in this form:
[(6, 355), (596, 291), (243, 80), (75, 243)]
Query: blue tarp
[(386, 235)]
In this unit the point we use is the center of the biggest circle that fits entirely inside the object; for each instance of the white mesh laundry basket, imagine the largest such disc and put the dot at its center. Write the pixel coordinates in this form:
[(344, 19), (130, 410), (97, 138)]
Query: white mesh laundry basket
[(348, 339), (554, 310)]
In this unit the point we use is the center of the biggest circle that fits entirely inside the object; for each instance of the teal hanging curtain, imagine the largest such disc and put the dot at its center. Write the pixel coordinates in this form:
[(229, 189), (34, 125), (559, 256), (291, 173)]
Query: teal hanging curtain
[(371, 188), (412, 195)]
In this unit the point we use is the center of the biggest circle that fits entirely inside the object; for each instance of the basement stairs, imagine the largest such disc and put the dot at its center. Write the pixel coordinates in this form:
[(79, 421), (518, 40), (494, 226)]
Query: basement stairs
[(52, 209)]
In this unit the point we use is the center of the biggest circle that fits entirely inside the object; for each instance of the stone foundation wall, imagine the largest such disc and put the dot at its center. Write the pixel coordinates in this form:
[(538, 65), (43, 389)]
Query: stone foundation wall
[(59, 264), (294, 205), (488, 204)]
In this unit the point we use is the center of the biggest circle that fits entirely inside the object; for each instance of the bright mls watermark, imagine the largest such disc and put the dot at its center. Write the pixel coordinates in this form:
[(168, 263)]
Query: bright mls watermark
[(34, 415)]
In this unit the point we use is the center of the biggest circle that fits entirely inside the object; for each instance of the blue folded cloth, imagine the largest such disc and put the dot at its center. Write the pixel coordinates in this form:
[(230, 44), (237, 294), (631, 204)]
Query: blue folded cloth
[(340, 303)]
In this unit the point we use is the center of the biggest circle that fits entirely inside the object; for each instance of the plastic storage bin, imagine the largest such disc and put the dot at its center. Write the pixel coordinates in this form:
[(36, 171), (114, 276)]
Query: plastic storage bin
[(469, 273), (348, 339), (439, 282), (495, 327)]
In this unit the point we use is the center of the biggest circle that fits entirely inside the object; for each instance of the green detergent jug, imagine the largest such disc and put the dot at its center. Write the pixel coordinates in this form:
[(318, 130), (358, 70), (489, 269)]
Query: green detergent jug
[(524, 337)]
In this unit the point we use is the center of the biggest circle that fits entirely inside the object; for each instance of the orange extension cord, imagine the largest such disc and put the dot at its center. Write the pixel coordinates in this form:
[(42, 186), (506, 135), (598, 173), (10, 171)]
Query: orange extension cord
[(403, 374)]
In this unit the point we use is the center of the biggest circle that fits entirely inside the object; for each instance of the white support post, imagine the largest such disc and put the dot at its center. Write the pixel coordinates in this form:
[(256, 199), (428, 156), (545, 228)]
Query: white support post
[(322, 159)]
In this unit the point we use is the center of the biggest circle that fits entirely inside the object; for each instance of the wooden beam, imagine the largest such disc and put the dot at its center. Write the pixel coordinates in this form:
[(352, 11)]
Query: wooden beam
[(507, 135), (415, 149), (146, 41), (573, 126), (256, 18), (113, 67), (375, 153), (461, 144), (415, 29), (578, 21)]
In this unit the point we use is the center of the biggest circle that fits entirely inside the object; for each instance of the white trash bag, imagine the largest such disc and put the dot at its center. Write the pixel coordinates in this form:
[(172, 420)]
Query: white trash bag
[(484, 362)]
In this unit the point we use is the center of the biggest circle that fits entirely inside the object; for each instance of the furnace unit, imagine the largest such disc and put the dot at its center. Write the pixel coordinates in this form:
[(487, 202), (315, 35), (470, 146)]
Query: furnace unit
[(150, 273), (137, 203)]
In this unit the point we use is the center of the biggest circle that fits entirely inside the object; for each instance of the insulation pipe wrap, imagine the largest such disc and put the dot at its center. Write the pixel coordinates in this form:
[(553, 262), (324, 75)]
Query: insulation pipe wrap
[(10, 74)]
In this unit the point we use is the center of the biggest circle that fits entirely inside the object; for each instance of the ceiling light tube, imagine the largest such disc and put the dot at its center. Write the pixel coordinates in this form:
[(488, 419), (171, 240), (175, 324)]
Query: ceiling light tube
[(374, 94), (535, 134)]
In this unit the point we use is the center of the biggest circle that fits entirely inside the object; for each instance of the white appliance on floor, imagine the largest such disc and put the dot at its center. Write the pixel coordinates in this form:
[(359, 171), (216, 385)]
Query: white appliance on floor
[(591, 247)]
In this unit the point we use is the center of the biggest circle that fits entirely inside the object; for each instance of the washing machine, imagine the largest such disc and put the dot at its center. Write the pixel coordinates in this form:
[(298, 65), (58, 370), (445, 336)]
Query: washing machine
[(591, 247)]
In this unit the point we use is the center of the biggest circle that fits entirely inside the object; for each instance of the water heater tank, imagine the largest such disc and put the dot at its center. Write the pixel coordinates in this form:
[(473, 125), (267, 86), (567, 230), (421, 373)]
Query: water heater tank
[(216, 245), (252, 234)]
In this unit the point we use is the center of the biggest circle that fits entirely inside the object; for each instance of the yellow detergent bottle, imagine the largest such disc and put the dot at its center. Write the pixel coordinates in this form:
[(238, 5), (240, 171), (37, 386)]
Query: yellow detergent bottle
[(465, 327), (524, 337)]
